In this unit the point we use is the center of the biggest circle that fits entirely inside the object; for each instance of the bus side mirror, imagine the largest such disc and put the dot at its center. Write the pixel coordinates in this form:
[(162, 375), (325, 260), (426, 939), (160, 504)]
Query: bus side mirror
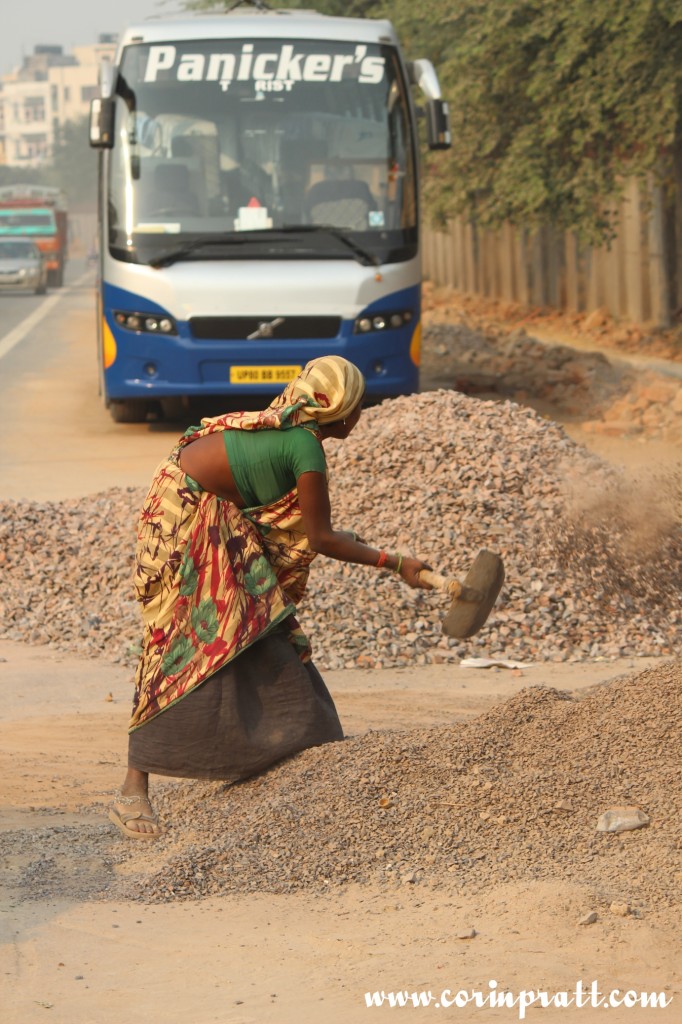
[(423, 74), (438, 124), (102, 123)]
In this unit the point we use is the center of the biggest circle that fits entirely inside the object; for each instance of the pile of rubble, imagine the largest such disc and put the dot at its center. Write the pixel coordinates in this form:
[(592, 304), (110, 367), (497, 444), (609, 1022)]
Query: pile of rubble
[(651, 407), (592, 560), (515, 794), (520, 793), (610, 399), (492, 353)]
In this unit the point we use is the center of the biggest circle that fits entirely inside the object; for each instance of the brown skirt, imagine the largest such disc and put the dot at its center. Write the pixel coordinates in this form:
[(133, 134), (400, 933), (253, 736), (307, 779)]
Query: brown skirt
[(261, 707)]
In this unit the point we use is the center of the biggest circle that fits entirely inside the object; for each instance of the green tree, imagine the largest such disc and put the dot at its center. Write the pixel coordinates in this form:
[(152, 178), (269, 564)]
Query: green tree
[(552, 105)]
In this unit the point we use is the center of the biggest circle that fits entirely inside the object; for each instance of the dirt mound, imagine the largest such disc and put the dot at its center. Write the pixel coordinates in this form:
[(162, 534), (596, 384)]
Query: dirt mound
[(609, 399)]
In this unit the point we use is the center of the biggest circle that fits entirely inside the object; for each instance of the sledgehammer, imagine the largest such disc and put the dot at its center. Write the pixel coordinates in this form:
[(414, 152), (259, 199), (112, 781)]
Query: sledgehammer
[(472, 600)]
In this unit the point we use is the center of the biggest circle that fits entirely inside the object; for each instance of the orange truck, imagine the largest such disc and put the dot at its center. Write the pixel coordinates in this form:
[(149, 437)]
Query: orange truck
[(39, 213)]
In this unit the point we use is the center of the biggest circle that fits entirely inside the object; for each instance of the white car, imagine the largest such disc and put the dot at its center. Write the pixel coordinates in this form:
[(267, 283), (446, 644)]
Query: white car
[(22, 267)]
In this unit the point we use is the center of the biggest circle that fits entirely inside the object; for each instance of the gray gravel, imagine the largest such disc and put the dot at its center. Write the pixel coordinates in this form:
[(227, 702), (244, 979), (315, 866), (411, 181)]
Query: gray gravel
[(592, 559), (475, 360), (514, 794)]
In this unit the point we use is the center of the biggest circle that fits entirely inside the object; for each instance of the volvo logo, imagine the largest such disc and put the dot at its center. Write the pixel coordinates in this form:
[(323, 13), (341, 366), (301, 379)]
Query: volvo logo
[(266, 329)]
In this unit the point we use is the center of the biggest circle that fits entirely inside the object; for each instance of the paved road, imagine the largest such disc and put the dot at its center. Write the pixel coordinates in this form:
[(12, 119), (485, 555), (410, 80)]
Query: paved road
[(57, 440)]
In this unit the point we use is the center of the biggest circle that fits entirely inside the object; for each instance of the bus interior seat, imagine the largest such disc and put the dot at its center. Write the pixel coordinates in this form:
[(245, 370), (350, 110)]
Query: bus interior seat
[(172, 189), (344, 203), (201, 154)]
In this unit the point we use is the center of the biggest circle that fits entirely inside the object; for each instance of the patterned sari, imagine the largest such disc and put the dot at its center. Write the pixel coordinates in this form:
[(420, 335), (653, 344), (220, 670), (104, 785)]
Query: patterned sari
[(211, 578)]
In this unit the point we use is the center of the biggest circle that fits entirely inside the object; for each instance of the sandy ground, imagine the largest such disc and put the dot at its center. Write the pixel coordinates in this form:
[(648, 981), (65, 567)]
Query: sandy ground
[(294, 958)]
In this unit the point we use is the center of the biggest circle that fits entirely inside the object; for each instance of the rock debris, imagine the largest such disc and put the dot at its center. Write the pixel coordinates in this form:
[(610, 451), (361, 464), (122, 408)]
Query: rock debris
[(461, 807), (592, 559), (469, 805)]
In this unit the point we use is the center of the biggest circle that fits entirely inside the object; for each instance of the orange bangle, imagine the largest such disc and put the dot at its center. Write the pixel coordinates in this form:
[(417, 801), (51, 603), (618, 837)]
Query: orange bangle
[(383, 558)]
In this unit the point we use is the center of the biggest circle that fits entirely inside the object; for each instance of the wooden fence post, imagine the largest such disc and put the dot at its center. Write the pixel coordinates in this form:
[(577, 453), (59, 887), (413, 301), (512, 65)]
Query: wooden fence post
[(571, 263), (468, 257), (658, 276), (632, 237), (553, 264), (537, 283), (472, 256), (442, 258), (450, 253), (612, 290), (507, 262), (521, 267), (458, 254), (593, 272)]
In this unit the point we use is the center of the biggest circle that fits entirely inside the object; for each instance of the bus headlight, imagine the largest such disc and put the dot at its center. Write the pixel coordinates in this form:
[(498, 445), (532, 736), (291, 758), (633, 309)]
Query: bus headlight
[(382, 322), (149, 323)]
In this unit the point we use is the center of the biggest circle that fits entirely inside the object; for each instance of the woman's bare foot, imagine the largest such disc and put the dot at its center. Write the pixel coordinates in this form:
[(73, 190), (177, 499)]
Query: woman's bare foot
[(131, 810)]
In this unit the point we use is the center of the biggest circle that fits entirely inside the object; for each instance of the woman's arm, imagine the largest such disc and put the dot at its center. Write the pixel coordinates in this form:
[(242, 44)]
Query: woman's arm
[(313, 497)]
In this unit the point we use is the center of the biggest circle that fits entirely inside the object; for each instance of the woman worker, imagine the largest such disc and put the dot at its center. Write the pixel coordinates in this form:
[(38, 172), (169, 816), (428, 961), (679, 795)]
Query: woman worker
[(234, 516)]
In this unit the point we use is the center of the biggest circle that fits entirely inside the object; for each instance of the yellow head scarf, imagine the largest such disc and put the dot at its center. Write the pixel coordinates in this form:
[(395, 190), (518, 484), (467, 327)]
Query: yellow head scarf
[(326, 390)]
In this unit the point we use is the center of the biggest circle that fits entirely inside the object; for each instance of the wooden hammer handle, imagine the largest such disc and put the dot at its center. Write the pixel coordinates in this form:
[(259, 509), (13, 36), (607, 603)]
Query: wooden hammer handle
[(449, 585)]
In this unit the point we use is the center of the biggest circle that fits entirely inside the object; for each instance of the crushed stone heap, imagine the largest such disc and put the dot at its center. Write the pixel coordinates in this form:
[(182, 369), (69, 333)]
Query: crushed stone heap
[(514, 794), (592, 560)]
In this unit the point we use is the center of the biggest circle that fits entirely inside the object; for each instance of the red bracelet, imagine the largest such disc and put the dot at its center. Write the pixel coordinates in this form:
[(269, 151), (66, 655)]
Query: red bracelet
[(383, 558)]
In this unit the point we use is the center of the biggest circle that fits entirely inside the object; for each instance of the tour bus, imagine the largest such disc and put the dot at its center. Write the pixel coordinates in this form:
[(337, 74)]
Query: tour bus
[(258, 205)]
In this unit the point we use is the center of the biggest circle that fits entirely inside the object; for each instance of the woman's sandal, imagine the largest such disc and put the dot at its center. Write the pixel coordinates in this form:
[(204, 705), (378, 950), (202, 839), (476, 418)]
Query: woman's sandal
[(121, 819)]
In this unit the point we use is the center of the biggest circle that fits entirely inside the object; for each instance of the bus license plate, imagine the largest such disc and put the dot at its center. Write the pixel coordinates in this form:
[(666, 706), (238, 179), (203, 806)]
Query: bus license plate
[(263, 374)]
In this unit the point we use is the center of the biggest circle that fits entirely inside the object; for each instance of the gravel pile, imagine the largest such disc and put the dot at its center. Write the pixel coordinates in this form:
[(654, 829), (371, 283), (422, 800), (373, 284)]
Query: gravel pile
[(516, 365), (515, 794), (440, 474), (614, 400)]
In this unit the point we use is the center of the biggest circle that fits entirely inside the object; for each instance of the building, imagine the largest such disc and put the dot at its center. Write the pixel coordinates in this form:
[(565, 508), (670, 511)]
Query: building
[(49, 89)]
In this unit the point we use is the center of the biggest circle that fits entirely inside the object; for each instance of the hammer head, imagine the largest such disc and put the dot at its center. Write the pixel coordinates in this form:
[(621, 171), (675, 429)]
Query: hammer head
[(482, 584)]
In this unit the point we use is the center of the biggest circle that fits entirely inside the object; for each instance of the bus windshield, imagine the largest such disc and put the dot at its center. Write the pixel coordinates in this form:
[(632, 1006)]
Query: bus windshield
[(262, 149)]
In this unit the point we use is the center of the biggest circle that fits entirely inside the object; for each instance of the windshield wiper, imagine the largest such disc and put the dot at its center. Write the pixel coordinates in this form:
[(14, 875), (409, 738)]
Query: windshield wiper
[(165, 259), (183, 251), (368, 259)]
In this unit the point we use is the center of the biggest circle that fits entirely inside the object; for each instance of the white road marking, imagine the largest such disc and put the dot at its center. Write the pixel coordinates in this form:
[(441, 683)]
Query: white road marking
[(26, 326)]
